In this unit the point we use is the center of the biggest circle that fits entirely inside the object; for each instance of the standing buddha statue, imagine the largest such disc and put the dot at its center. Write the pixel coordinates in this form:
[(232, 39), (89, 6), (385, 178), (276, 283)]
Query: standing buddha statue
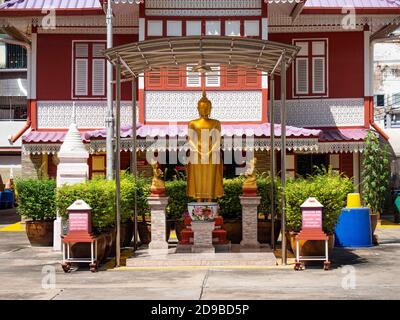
[(205, 167)]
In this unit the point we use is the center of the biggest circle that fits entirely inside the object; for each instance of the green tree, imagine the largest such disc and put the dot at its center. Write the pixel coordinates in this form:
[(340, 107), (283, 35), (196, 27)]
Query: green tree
[(375, 174)]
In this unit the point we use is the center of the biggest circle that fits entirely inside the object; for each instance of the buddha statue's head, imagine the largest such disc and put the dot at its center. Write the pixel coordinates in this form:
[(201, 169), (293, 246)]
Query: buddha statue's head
[(204, 106)]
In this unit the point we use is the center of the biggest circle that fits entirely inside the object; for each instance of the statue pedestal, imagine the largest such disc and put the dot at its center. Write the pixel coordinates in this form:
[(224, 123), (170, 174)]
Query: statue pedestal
[(203, 237), (249, 222), (158, 224)]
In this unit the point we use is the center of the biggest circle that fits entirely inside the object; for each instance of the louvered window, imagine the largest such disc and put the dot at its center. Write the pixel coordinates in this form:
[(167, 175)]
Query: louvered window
[(153, 79), (193, 79), (89, 70), (302, 75), (252, 78), (311, 68), (173, 77), (213, 77), (319, 75), (232, 77), (81, 77)]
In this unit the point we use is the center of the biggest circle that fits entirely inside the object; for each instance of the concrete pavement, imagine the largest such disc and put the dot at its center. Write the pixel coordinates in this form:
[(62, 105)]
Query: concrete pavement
[(27, 273)]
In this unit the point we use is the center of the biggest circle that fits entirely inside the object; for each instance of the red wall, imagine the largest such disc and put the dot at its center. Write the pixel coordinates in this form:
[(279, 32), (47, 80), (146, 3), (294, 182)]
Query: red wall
[(54, 64), (346, 62)]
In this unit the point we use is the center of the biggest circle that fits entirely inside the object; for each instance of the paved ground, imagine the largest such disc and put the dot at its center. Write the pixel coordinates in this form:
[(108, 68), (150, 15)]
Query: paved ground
[(358, 274)]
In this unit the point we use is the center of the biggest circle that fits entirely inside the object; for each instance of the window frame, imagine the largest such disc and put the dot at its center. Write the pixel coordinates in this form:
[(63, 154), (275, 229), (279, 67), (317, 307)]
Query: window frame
[(311, 80), (90, 60)]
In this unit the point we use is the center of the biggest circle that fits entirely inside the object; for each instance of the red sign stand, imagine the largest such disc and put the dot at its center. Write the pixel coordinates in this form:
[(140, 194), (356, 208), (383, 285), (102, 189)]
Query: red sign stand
[(79, 231), (311, 229)]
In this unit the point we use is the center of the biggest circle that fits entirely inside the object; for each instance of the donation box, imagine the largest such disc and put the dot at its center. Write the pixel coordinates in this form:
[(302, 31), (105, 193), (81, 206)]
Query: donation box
[(79, 220), (311, 227)]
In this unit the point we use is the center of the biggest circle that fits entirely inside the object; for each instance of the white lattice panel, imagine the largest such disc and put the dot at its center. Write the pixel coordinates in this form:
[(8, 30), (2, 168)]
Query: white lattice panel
[(323, 112), (89, 114), (170, 106), (202, 4)]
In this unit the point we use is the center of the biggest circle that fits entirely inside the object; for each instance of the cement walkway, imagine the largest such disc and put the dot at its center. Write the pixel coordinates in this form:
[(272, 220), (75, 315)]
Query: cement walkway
[(35, 273)]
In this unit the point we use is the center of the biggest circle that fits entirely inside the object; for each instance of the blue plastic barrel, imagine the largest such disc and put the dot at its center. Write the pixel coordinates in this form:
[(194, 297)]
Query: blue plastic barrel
[(6, 199), (354, 228)]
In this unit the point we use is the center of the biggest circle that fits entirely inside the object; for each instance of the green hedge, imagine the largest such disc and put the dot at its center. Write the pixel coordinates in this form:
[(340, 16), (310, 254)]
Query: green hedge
[(229, 204), (36, 199), (328, 187)]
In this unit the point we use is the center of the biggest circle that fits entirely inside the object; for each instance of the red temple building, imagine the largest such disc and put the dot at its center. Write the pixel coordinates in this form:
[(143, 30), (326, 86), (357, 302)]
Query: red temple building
[(329, 86)]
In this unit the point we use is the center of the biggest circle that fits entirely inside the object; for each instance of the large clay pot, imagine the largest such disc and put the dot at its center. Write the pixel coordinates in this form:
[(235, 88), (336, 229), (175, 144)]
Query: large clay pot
[(113, 234), (179, 226), (264, 230), (144, 230), (126, 233), (40, 233), (233, 229), (310, 247), (82, 250)]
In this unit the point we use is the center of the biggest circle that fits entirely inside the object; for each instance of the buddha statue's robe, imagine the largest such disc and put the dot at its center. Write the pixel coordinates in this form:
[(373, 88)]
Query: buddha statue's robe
[(205, 167)]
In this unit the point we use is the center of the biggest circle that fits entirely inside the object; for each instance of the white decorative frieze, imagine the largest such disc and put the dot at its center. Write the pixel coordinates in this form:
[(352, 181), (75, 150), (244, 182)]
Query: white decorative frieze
[(212, 4), (323, 112), (174, 106), (89, 114), (203, 12)]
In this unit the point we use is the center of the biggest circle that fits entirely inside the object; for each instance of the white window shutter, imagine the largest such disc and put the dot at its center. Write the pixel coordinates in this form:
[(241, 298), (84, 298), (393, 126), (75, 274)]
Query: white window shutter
[(98, 49), (193, 79), (81, 77), (319, 75), (302, 75), (98, 77), (213, 78), (81, 50)]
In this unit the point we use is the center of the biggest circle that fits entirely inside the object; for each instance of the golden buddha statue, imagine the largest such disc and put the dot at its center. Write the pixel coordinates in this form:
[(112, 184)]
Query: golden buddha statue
[(157, 184), (205, 167), (250, 183)]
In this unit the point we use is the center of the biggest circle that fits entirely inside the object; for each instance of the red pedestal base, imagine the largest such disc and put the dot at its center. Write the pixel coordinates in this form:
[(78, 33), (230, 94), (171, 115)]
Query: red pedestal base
[(219, 235)]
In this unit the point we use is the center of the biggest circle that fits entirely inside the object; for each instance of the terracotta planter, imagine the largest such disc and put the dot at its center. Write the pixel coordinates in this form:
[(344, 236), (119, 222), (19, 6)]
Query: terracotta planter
[(112, 243), (179, 226), (126, 233), (40, 233), (310, 248), (234, 230), (264, 231), (144, 230), (82, 250)]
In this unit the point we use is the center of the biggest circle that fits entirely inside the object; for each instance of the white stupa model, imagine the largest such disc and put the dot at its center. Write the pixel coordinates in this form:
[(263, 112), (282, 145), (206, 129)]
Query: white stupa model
[(72, 167)]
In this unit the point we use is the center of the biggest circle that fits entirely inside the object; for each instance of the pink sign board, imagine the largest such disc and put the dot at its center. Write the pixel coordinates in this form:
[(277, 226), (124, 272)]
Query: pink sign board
[(312, 219), (79, 222)]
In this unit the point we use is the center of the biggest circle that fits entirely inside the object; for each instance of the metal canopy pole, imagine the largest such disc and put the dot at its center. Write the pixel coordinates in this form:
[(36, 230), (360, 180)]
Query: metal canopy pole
[(110, 112), (117, 162), (134, 162), (283, 156), (272, 159)]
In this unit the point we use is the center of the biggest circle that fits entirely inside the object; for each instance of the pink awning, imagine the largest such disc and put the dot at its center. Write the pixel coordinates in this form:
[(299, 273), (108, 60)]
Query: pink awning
[(47, 137), (364, 4), (258, 130), (337, 134), (227, 130)]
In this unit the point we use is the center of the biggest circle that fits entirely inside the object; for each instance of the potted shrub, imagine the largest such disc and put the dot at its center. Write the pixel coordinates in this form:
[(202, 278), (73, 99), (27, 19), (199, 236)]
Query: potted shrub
[(177, 206), (330, 189), (37, 203), (264, 219), (100, 195), (231, 209), (375, 178)]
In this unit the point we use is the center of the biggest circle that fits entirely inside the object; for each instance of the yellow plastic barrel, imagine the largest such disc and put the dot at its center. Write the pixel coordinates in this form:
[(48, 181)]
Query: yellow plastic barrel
[(353, 200)]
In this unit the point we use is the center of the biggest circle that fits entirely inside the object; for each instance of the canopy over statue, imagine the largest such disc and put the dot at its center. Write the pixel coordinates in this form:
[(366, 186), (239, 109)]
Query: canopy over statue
[(205, 167)]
